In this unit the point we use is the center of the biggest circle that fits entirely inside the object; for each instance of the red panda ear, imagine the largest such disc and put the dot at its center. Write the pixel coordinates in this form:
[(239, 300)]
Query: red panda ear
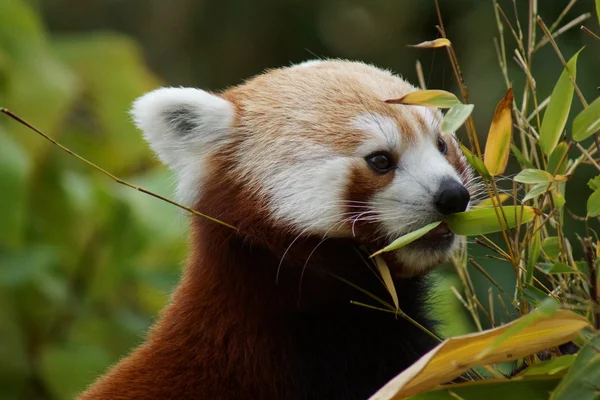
[(183, 125)]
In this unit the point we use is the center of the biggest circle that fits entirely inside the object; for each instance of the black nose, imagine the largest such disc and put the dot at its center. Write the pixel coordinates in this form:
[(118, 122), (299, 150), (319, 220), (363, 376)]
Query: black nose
[(452, 197)]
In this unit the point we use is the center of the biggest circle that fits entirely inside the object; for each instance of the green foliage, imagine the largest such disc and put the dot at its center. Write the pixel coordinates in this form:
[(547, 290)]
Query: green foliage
[(84, 264)]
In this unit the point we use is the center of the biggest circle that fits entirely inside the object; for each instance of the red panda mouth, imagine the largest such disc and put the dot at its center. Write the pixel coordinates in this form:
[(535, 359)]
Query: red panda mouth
[(439, 238)]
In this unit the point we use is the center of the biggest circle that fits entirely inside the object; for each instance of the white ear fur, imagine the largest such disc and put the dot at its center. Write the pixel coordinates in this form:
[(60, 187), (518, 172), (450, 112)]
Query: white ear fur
[(182, 125)]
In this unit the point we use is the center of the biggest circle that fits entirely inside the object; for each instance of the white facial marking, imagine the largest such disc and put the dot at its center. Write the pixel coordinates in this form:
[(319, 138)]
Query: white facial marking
[(304, 184), (429, 116), (382, 131), (183, 126), (408, 202)]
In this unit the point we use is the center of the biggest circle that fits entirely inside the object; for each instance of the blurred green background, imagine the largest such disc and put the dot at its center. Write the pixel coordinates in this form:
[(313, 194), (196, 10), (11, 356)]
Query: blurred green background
[(86, 264)]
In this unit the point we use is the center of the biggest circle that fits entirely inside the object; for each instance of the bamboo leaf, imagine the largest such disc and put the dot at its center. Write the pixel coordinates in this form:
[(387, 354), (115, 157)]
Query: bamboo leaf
[(456, 116), (557, 112), (537, 190), (594, 183), (541, 330), (475, 162), (407, 239), (558, 268), (481, 221), (557, 162), (433, 44), (497, 146), (593, 204), (550, 367), (386, 275), (488, 202), (432, 98), (587, 121), (533, 251), (520, 157), (546, 309), (521, 388), (551, 247), (533, 176)]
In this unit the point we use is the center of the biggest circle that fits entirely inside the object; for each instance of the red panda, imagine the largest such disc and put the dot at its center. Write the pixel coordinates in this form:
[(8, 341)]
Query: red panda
[(309, 163)]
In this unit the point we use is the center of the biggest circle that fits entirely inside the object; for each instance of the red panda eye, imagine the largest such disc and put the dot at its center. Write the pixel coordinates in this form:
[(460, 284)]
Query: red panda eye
[(442, 146), (380, 162)]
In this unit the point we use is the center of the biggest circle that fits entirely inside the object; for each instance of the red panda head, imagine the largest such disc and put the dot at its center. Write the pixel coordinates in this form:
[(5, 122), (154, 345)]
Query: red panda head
[(316, 152)]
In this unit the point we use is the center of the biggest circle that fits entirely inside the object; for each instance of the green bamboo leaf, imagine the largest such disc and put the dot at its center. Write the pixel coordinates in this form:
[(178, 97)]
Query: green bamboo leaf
[(594, 183), (598, 10), (593, 204), (456, 116), (533, 251), (557, 162), (537, 190), (587, 121), (432, 98), (550, 367), (526, 388), (475, 162), (520, 157), (557, 112), (551, 247), (535, 296), (583, 386), (481, 221), (533, 176), (407, 239), (558, 268)]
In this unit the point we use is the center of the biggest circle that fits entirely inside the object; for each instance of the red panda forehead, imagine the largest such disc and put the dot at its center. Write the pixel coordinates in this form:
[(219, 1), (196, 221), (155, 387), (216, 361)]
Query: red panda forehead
[(326, 103)]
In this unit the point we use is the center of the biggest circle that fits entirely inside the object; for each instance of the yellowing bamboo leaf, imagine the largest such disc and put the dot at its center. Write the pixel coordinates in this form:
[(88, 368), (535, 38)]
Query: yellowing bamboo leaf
[(557, 112), (456, 116), (433, 44), (488, 202), (454, 356), (475, 161), (531, 176), (481, 221), (386, 275), (546, 309), (587, 121), (408, 238), (558, 199), (598, 10), (431, 98), (593, 204), (497, 146)]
